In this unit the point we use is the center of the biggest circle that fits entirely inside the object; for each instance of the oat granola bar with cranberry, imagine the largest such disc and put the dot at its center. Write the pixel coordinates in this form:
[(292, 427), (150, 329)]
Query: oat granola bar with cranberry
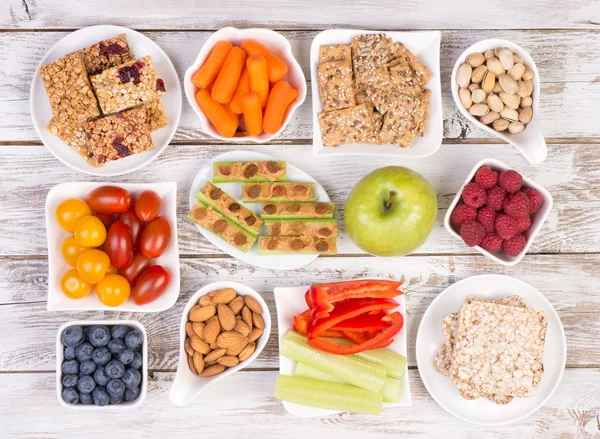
[(106, 54)]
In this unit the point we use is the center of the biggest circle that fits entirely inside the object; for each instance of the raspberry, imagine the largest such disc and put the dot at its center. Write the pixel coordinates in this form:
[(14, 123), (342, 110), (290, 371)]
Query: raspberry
[(495, 197), (514, 245), (517, 205), (492, 242), (487, 218), (523, 223), (462, 213), (535, 198), (506, 226), (511, 181), (474, 195), (472, 233), (485, 177)]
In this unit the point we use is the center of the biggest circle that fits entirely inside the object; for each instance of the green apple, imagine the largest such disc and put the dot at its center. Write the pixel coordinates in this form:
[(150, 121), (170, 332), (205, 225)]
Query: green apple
[(391, 211)]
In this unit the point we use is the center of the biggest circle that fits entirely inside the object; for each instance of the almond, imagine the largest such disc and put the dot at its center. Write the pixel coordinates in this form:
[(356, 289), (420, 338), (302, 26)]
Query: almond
[(247, 316), (225, 296), (191, 364), (254, 335), (212, 330), (214, 346), (253, 304), (212, 370), (226, 317), (247, 352), (206, 301), (202, 313), (212, 293), (228, 361), (235, 351), (229, 339), (189, 330), (236, 304), (200, 345), (188, 347), (198, 361), (214, 355), (199, 329), (242, 328), (258, 321)]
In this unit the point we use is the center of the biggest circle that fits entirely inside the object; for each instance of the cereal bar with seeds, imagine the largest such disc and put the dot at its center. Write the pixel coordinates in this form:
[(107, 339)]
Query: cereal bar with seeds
[(127, 85), (281, 245), (72, 135), (297, 210), (106, 54), (117, 136), (335, 85), (336, 52), (281, 192), (156, 115), (349, 125)]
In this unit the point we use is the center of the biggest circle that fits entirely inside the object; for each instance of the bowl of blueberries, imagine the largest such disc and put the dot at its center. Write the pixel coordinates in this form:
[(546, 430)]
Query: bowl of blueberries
[(101, 364)]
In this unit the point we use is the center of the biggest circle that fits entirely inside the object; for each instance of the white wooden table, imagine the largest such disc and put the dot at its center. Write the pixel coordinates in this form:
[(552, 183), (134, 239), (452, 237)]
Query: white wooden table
[(564, 39)]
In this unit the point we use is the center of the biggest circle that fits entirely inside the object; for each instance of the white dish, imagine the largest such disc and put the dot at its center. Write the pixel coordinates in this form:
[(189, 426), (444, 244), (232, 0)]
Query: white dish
[(60, 356), (279, 262), (426, 46), (187, 385), (537, 219), (531, 141), (429, 338), (57, 301), (141, 46), (275, 42), (290, 302)]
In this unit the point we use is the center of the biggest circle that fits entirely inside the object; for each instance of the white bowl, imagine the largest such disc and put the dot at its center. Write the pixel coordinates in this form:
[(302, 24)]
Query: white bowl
[(531, 141), (426, 46), (537, 219), (429, 338), (188, 385), (275, 42), (60, 356), (141, 46), (57, 301)]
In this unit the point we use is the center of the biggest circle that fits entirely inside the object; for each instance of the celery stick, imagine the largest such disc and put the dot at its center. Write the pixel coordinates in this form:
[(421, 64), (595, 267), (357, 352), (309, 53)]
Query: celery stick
[(334, 396), (392, 390), (393, 363), (303, 370)]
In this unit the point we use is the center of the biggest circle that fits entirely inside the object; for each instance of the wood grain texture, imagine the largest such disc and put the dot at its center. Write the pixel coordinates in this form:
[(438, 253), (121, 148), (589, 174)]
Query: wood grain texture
[(566, 60)]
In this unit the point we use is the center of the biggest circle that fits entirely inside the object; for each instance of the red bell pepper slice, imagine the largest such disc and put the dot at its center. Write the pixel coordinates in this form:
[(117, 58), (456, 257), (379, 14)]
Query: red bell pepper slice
[(308, 299), (363, 323), (301, 325), (348, 310), (358, 337), (397, 322)]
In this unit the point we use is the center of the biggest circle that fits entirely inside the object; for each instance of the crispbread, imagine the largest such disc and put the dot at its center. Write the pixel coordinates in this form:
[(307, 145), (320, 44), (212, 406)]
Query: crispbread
[(336, 52), (335, 85), (441, 362), (404, 119), (349, 125)]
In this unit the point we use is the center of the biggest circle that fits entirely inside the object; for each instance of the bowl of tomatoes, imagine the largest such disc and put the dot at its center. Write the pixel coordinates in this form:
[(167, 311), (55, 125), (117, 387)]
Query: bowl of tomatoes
[(112, 246)]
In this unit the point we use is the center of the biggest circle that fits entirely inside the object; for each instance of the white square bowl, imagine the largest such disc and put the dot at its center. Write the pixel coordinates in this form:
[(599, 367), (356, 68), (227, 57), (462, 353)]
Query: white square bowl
[(57, 301), (60, 356), (537, 219), (426, 46)]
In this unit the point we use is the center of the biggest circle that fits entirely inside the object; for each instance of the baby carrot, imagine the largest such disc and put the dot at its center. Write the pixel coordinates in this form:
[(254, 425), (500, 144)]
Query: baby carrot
[(242, 88), (205, 76), (217, 115), (228, 77), (231, 113), (252, 113), (279, 99), (293, 96), (259, 77), (277, 68)]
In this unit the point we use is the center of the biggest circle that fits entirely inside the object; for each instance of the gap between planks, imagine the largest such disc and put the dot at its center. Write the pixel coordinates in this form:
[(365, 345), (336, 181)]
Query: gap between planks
[(307, 29)]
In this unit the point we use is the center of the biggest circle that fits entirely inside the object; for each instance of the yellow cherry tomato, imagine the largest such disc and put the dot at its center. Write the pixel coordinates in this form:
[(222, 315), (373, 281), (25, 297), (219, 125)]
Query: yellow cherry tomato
[(74, 286), (92, 265), (71, 250), (90, 232), (113, 290), (111, 270), (70, 211)]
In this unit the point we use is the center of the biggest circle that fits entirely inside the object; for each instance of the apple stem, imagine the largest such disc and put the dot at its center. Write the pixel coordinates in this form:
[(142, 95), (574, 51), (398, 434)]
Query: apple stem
[(388, 203)]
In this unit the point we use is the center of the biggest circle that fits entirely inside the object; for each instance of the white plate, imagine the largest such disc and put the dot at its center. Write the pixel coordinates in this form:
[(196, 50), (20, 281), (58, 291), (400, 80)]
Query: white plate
[(275, 42), (278, 262), (290, 302), (57, 301), (426, 46), (429, 338), (141, 46)]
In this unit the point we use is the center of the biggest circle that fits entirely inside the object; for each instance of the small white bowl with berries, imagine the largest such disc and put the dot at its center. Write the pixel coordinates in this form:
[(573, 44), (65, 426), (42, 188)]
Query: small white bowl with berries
[(498, 212)]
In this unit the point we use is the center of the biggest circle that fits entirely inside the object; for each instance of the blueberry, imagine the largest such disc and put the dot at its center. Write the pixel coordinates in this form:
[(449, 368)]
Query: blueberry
[(69, 353), (70, 367), (119, 331), (126, 356), (116, 399), (115, 387), (134, 339), (101, 398), (99, 335), (117, 345), (86, 398), (86, 384), (131, 378), (72, 336), (84, 351), (132, 394), (70, 395), (70, 380), (100, 377), (87, 367), (137, 360), (114, 369), (101, 356)]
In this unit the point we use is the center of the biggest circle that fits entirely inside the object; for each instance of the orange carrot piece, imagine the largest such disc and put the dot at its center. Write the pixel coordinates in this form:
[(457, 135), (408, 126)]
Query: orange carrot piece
[(277, 68), (205, 76), (226, 82), (217, 115), (243, 87), (293, 96), (252, 113), (259, 77), (231, 113), (276, 106)]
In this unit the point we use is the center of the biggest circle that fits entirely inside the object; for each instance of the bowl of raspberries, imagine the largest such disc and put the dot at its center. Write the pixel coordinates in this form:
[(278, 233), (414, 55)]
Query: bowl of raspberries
[(498, 211)]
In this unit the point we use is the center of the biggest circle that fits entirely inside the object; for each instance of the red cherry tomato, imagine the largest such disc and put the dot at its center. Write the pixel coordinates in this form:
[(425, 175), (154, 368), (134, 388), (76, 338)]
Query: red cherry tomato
[(106, 218), (136, 226), (119, 245), (147, 205), (151, 285), (155, 237), (132, 272), (109, 199)]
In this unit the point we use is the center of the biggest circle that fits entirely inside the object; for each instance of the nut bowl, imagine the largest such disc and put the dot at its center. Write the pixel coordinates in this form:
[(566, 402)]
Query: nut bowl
[(530, 142)]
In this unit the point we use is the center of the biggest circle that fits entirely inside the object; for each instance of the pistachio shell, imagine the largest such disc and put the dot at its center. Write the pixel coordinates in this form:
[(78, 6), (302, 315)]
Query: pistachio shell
[(497, 51), (525, 88), (478, 96), (506, 57), (488, 82), (500, 124), (495, 103), (473, 87), (511, 101), (526, 115), (479, 109), (528, 75), (477, 75), (509, 114), (497, 89), (465, 97), (489, 54), (463, 75), (475, 59), (495, 66), (526, 101), (518, 59), (508, 84), (516, 127), (517, 71), (489, 118)]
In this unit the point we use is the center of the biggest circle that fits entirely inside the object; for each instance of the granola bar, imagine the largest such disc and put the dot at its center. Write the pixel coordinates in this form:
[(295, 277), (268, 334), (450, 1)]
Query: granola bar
[(72, 135), (337, 52), (335, 85), (156, 115), (350, 125), (106, 54), (127, 85)]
